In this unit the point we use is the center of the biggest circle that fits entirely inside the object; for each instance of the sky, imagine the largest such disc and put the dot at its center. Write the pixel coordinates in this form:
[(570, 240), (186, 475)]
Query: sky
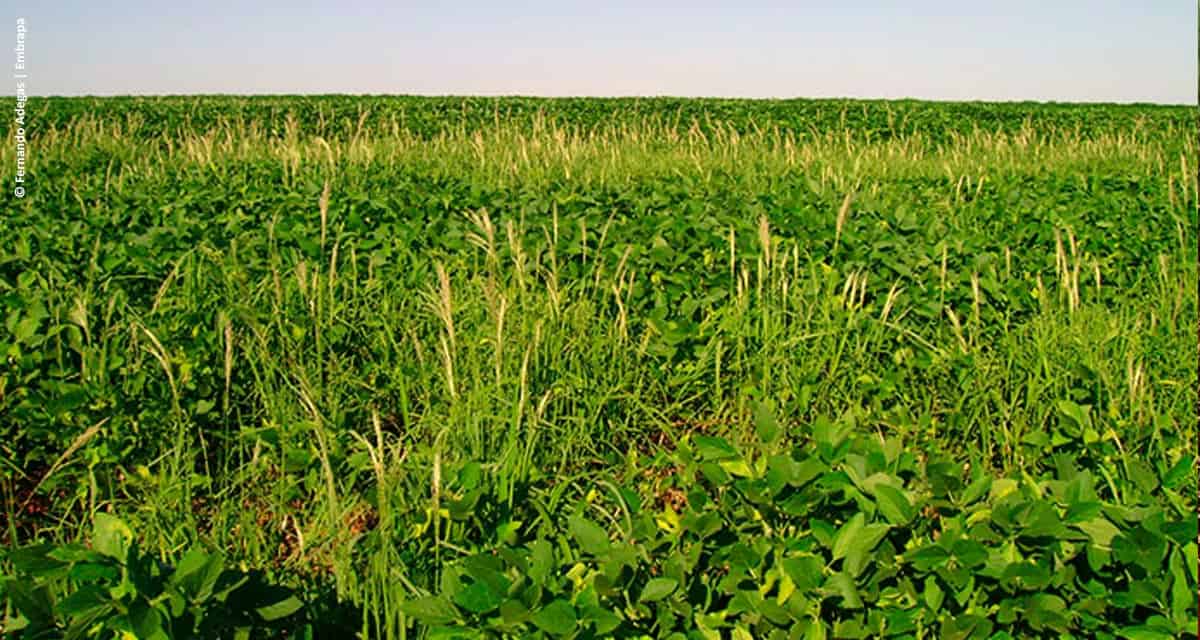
[(1045, 50)]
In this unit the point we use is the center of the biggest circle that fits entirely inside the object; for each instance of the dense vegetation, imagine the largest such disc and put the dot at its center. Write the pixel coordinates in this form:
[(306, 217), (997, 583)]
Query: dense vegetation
[(444, 367)]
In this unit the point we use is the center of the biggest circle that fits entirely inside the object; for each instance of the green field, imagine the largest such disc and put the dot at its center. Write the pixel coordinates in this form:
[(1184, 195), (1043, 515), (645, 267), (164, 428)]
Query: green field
[(637, 368)]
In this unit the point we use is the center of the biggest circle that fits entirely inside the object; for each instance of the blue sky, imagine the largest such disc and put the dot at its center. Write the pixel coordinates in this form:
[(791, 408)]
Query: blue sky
[(1066, 50)]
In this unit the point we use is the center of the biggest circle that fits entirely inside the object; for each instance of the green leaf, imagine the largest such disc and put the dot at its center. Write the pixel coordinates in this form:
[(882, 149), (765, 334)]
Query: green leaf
[(805, 571), (203, 406), (861, 546), (850, 629), (1047, 611), (963, 627), (977, 489), (26, 329), (94, 572), (1179, 473), (513, 612), (557, 618), (1190, 550), (281, 609), (1002, 487), (1082, 511), (83, 600), (1183, 593), (471, 475), (430, 610), (806, 471), (969, 553), (487, 568), (1142, 475), (737, 467), (830, 438), (765, 422), (605, 621), (846, 536), (841, 584), (711, 448), (147, 622), (32, 601), (1099, 530), (934, 596), (74, 553), (591, 538), (928, 557), (715, 474), (190, 564), (1182, 531), (197, 574), (541, 561), (1072, 412), (657, 589), (36, 560), (477, 597), (111, 536), (1143, 633), (894, 505), (83, 625)]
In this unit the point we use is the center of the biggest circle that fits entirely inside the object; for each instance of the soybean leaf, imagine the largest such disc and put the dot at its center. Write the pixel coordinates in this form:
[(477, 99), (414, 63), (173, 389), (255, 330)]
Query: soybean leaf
[(111, 536), (657, 589), (846, 536), (557, 618), (894, 505), (430, 610), (590, 536)]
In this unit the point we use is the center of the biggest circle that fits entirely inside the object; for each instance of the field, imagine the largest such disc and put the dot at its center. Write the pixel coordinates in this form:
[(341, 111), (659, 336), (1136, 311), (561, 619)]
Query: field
[(638, 368)]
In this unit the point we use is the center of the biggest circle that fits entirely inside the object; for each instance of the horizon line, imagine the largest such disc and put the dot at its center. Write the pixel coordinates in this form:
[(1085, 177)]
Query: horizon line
[(502, 96)]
